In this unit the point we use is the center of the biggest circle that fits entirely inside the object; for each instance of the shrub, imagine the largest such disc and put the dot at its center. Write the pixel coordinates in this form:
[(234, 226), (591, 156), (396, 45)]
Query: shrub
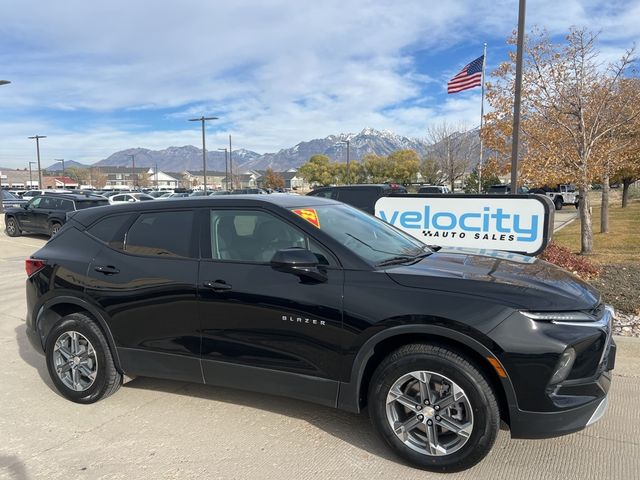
[(565, 258)]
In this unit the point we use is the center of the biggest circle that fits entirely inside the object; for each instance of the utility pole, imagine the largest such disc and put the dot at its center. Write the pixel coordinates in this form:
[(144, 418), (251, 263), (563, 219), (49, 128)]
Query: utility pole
[(37, 139), (226, 170), (348, 142), (230, 162), (516, 100), (30, 176), (133, 171), (204, 149), (156, 176), (61, 160)]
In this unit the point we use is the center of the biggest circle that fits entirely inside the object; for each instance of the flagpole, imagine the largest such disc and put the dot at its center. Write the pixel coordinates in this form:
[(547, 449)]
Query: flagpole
[(480, 165)]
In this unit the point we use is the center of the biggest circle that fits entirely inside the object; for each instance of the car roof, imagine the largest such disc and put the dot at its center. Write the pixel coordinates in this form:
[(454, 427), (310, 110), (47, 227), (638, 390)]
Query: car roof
[(74, 196), (86, 217)]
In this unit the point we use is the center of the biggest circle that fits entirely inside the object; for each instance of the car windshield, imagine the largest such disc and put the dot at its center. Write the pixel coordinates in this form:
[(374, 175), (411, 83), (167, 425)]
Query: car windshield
[(8, 195), (368, 237)]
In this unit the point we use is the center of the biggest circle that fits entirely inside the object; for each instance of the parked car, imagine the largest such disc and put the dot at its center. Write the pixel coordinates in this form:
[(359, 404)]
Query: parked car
[(505, 189), (129, 197), (433, 189), (316, 300), (175, 195), (156, 193), (10, 200), (363, 197), (29, 194), (249, 191), (47, 213)]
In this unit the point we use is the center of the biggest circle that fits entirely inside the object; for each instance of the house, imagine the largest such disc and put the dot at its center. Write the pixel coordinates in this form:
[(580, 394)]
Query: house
[(195, 179), (59, 182)]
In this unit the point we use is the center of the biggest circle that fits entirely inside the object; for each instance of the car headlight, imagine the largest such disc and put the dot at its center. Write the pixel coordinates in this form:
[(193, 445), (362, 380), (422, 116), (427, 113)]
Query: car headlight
[(559, 316), (564, 365)]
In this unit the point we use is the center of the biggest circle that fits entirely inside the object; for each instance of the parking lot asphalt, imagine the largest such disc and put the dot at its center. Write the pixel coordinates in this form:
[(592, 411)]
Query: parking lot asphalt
[(165, 429)]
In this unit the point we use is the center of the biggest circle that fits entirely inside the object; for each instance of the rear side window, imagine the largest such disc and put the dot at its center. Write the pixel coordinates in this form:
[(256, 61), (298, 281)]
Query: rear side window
[(80, 204), (49, 203), (111, 229), (322, 193), (165, 234), (362, 198)]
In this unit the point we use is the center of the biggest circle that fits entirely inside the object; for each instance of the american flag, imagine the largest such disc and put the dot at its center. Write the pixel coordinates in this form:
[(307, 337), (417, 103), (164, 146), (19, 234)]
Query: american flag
[(470, 76)]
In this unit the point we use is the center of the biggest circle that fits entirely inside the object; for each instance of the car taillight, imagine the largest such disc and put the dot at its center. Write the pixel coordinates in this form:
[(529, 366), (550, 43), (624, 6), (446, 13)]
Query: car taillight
[(32, 265)]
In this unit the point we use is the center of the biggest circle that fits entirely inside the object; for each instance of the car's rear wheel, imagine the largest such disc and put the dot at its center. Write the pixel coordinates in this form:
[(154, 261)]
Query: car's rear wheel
[(434, 408), (79, 360), (12, 227), (53, 229)]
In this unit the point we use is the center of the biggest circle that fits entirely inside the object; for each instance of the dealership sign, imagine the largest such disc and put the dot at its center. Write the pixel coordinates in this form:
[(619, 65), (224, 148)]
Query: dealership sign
[(514, 223)]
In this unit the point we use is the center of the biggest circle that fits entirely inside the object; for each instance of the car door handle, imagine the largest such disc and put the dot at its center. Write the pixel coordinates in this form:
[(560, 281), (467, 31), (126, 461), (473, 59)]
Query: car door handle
[(107, 269), (217, 286)]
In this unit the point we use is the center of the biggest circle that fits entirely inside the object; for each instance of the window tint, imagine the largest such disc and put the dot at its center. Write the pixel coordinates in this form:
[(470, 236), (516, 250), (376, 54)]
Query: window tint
[(35, 202), (322, 193), (363, 198), (249, 236), (66, 205), (81, 204), (166, 234), (49, 203), (118, 198), (111, 229)]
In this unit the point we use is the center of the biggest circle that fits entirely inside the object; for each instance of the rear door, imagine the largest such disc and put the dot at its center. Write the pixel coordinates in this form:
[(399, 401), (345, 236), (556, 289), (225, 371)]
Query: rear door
[(145, 280), (363, 198)]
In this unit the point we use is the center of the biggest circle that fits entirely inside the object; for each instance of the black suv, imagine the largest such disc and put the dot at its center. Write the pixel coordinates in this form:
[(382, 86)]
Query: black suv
[(313, 299), (47, 213), (363, 196)]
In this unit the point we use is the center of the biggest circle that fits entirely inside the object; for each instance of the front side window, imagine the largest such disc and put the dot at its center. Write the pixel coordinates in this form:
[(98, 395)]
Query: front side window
[(252, 236), (161, 234), (35, 202)]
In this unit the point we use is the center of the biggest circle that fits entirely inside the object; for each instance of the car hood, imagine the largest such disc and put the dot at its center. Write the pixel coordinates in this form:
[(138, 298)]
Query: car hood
[(511, 279)]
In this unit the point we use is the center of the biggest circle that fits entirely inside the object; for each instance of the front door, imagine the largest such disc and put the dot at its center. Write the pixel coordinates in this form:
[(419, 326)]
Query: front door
[(263, 329)]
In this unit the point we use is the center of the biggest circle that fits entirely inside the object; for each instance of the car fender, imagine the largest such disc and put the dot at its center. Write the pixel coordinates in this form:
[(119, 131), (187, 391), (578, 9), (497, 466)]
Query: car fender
[(349, 393), (45, 320)]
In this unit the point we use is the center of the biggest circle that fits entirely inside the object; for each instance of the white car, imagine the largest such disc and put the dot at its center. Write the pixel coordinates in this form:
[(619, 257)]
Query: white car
[(29, 194), (129, 197)]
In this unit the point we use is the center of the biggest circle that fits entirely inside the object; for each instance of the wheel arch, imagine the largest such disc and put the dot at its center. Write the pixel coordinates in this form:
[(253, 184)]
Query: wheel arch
[(352, 394), (54, 310)]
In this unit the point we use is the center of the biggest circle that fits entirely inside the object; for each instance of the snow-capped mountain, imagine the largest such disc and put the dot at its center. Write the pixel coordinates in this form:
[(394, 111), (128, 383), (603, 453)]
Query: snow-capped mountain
[(188, 157)]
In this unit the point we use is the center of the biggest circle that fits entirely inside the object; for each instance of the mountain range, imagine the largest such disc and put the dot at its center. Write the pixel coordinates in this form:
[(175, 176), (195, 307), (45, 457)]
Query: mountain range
[(188, 157)]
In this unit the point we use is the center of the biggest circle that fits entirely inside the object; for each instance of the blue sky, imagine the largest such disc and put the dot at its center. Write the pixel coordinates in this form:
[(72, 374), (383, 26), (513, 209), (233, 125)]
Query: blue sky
[(97, 77)]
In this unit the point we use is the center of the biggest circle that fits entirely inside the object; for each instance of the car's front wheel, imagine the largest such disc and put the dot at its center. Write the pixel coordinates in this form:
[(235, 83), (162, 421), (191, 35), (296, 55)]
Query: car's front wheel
[(79, 360), (434, 408), (12, 227)]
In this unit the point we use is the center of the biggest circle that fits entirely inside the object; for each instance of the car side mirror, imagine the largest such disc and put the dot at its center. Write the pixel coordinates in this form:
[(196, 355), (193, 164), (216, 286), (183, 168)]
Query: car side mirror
[(25, 206), (300, 262)]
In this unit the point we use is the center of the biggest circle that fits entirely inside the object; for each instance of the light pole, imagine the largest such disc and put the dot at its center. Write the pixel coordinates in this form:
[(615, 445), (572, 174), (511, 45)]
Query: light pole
[(226, 170), (204, 150), (516, 101), (37, 139), (133, 171), (30, 176), (348, 142), (2, 82), (231, 162)]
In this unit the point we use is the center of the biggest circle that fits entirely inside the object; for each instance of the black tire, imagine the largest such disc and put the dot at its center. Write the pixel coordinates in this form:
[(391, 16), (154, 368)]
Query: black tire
[(558, 203), (107, 378), (439, 361), (54, 227), (12, 228)]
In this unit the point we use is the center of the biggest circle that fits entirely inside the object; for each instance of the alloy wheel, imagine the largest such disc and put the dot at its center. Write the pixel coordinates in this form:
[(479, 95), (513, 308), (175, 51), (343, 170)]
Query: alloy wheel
[(429, 413), (11, 226), (75, 361)]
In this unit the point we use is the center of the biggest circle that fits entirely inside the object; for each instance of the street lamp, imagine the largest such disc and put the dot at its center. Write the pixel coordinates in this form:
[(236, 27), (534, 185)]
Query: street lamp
[(133, 171), (37, 139), (348, 142), (226, 170), (60, 160), (204, 151)]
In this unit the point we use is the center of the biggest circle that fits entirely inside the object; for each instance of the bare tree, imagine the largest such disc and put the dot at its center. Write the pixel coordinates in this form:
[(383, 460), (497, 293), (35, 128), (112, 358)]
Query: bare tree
[(453, 150)]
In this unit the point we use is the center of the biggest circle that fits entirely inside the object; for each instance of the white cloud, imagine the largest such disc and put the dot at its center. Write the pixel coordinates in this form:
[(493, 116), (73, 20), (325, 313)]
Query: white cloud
[(275, 72)]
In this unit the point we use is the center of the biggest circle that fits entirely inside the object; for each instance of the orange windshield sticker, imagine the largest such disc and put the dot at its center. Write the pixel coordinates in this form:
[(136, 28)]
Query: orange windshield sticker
[(309, 214)]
